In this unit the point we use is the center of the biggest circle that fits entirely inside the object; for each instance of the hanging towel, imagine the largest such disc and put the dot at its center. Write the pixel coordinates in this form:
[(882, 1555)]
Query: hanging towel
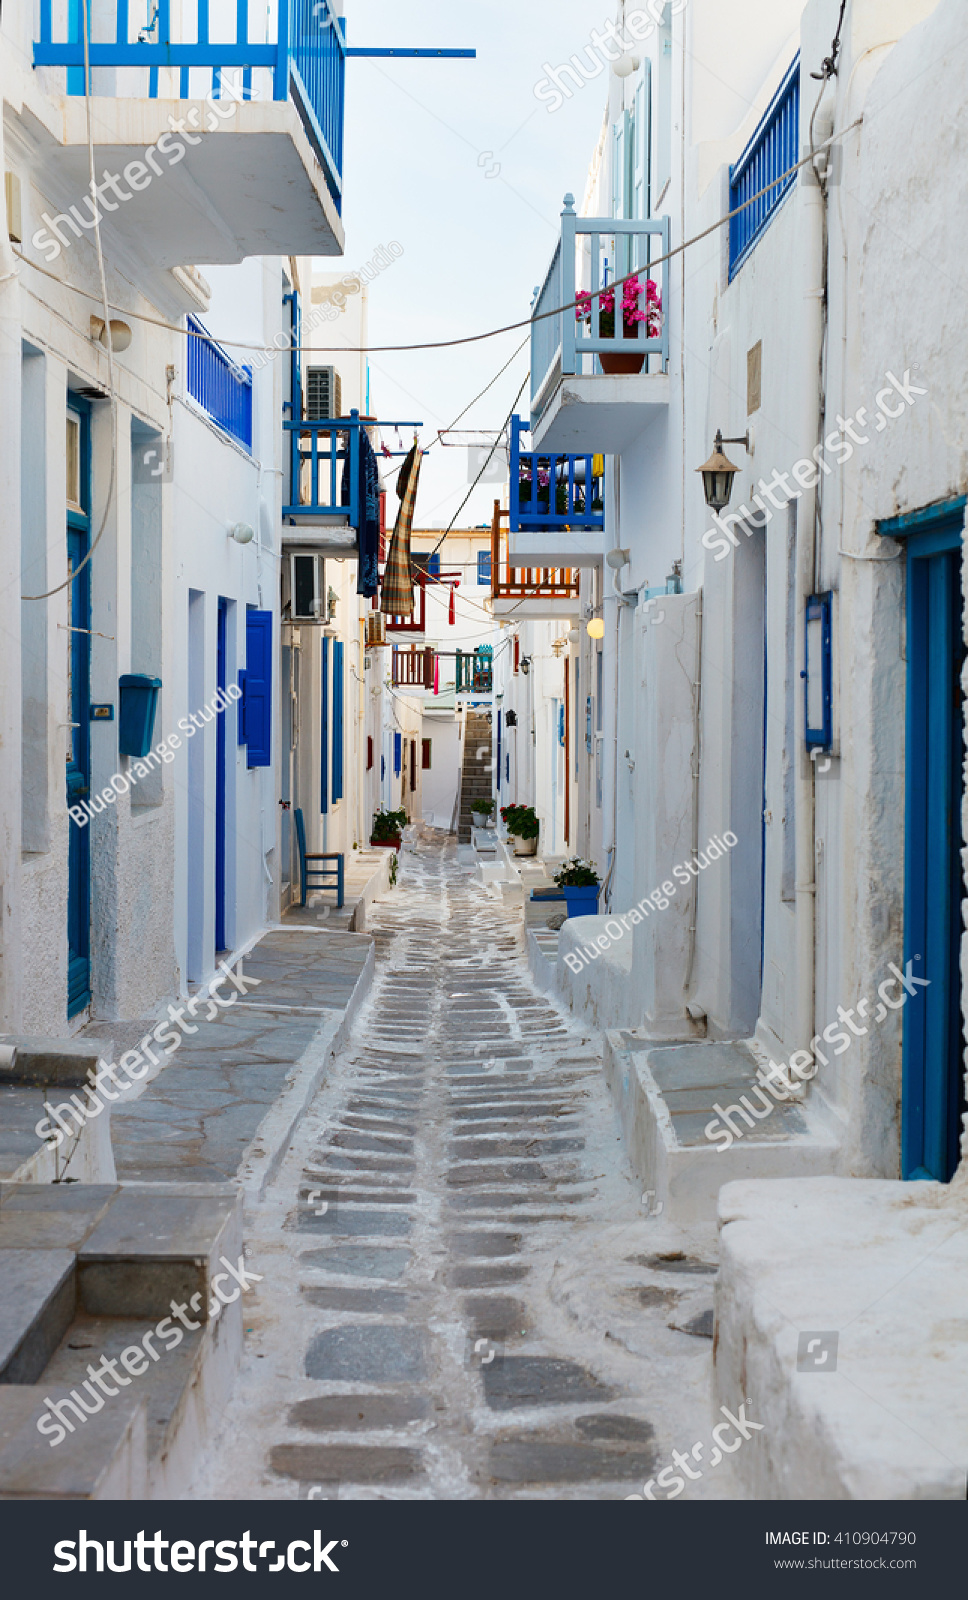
[(397, 597), (452, 608), (436, 674), (368, 533)]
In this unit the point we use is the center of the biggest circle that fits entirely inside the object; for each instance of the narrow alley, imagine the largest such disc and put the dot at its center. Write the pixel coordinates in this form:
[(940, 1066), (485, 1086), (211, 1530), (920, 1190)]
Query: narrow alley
[(463, 1292)]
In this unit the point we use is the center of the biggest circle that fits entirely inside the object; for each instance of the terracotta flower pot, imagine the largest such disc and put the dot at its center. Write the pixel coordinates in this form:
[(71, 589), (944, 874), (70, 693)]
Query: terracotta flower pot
[(618, 362), (387, 844)]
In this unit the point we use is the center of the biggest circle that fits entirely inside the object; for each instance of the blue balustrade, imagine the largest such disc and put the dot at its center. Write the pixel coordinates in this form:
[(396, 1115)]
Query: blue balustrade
[(553, 491), (564, 344), (218, 385), (305, 61), (772, 151), (324, 467)]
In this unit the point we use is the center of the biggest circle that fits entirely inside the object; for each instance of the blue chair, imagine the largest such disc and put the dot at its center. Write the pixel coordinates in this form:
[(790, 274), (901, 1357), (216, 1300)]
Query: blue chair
[(324, 875)]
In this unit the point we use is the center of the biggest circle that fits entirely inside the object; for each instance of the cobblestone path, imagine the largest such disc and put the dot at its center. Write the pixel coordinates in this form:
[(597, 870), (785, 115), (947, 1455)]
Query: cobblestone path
[(463, 1294)]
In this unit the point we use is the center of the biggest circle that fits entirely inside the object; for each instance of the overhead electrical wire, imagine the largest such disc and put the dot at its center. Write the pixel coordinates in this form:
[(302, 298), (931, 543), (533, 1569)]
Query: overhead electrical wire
[(112, 391), (471, 338)]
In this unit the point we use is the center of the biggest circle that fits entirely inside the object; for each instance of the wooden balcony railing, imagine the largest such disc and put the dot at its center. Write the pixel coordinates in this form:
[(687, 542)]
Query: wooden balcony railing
[(525, 583), (412, 669)]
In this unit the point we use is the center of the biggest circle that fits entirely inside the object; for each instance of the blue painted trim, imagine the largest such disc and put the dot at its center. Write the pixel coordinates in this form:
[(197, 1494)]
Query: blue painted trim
[(821, 737), (932, 1096), (366, 50), (337, 719), (78, 768), (928, 518), (220, 732), (773, 148), (526, 514), (324, 725)]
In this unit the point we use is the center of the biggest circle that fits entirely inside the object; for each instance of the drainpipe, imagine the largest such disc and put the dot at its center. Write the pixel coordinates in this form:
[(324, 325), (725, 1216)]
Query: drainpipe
[(810, 423)]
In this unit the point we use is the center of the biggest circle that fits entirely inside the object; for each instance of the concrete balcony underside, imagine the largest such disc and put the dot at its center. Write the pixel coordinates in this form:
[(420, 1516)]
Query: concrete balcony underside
[(250, 186), (599, 413), (541, 610), (578, 547)]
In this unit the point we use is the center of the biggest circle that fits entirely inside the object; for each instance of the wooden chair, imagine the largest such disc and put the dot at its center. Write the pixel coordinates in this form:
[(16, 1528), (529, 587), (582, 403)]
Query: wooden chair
[(323, 874)]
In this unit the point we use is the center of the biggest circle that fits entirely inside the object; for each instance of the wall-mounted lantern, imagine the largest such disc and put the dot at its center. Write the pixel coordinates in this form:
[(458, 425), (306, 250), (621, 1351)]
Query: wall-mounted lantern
[(718, 472)]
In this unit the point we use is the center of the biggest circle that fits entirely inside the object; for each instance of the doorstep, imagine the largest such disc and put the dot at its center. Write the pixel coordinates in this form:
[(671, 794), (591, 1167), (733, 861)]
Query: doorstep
[(86, 1272), (666, 1094), (366, 874), (882, 1267)]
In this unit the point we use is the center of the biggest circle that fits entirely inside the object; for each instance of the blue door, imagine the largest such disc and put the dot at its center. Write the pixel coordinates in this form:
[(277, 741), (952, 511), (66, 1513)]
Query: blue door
[(220, 733), (932, 1099), (79, 709)]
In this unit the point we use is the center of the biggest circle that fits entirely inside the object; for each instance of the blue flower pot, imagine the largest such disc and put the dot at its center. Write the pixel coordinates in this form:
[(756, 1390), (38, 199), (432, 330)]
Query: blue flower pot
[(582, 902)]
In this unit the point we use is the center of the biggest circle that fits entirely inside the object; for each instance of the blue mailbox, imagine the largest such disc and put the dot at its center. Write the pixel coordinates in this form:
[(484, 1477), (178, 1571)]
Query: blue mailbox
[(138, 702)]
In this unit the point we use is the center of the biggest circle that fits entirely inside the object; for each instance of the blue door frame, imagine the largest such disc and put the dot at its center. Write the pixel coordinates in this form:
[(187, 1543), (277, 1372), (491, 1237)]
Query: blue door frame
[(932, 1093), (220, 736), (79, 733)]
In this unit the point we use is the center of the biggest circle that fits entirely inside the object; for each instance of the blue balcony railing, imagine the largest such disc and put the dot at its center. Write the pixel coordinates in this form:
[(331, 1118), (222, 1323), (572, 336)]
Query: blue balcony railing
[(218, 385), (302, 56), (772, 150), (324, 467), (563, 344), (554, 491)]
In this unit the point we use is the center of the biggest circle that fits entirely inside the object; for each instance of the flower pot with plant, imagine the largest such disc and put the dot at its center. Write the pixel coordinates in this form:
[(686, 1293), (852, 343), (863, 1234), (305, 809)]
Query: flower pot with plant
[(523, 828), (623, 361), (387, 830), (481, 813), (580, 885)]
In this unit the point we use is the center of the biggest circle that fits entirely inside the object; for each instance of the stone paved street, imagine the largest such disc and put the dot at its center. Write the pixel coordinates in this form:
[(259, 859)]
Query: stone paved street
[(463, 1294)]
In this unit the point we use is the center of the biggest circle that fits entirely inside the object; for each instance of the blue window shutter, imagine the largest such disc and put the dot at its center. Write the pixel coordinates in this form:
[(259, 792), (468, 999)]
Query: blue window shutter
[(324, 728), (337, 719), (241, 703), (484, 567), (397, 752), (257, 688)]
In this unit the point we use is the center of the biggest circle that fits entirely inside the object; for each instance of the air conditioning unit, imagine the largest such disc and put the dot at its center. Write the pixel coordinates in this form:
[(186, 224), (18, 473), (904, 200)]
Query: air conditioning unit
[(307, 577), (324, 394), (376, 629)]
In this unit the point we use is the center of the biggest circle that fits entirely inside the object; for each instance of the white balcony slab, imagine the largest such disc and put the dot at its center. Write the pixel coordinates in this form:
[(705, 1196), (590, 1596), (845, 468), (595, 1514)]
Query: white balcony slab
[(539, 610), (250, 186), (576, 547), (599, 413), (319, 538)]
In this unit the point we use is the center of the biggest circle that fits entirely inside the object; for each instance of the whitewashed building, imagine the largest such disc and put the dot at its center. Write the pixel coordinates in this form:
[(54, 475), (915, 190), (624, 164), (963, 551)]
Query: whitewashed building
[(781, 755)]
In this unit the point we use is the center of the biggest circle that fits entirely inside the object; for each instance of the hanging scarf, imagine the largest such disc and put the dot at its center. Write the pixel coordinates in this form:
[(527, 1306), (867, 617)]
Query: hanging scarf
[(397, 597)]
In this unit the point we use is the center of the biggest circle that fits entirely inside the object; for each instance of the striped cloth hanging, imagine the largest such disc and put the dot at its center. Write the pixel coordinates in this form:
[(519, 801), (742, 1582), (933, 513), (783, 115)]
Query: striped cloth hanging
[(396, 599)]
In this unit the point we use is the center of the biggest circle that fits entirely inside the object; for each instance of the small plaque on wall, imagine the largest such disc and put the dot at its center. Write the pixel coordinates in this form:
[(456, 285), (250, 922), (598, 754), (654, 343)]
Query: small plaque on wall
[(102, 713)]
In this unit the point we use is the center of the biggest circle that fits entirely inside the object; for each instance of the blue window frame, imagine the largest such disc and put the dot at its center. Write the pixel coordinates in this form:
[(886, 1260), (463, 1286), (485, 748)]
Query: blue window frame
[(817, 673), (774, 148), (337, 719), (429, 563), (220, 752), (397, 754), (484, 568)]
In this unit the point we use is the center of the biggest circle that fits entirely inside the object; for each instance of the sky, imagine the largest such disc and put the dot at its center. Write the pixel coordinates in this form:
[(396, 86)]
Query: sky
[(463, 166)]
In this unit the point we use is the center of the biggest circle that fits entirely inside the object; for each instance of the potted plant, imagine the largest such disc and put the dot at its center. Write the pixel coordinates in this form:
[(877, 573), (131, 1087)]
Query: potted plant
[(580, 884), (523, 828), (481, 813), (387, 829), (623, 361)]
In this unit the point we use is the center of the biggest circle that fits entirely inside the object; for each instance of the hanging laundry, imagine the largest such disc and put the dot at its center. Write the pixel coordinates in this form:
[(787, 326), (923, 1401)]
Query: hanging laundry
[(368, 532), (397, 597), (452, 609)]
